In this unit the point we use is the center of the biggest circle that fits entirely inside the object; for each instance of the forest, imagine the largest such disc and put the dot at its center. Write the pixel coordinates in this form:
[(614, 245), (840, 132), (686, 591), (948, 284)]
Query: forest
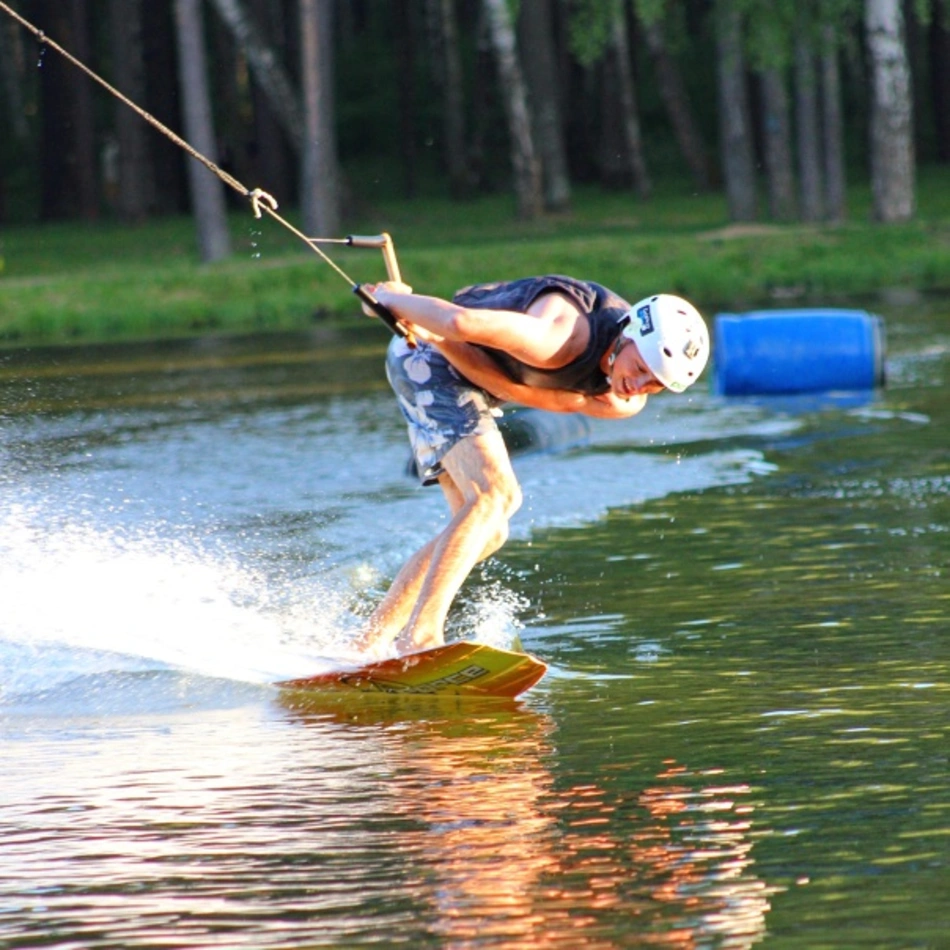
[(778, 104)]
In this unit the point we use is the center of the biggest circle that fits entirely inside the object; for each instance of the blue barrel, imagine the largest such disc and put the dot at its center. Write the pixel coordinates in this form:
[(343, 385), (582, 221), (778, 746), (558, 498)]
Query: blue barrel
[(797, 351)]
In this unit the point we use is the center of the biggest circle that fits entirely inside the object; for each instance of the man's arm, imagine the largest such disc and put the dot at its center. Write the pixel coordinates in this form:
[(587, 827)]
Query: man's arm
[(476, 366), (549, 335)]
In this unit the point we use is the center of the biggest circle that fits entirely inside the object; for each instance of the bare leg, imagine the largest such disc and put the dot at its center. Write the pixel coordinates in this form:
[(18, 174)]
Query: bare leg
[(482, 493), (481, 472)]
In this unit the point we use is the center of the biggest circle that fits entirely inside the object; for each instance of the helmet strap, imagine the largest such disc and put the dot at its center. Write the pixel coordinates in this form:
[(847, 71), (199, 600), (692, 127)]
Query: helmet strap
[(618, 346)]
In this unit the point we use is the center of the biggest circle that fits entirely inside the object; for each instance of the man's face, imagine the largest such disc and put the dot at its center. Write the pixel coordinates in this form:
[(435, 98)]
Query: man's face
[(630, 375)]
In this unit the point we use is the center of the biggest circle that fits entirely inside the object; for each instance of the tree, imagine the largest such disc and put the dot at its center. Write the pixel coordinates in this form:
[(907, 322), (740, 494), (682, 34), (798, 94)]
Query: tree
[(12, 87), (940, 75), (832, 125), (404, 37), (207, 192), (891, 138), (621, 82), (524, 162), (598, 34), (136, 187), (808, 126), (672, 91), (735, 128), (540, 59), (67, 159), (320, 179), (447, 72), (87, 179), (162, 101), (777, 141), (266, 66)]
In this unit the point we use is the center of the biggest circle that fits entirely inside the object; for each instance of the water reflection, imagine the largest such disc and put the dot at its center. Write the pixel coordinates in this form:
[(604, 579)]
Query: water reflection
[(501, 855)]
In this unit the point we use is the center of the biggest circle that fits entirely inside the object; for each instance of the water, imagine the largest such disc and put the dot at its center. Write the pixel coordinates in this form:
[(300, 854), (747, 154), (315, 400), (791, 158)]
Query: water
[(742, 740)]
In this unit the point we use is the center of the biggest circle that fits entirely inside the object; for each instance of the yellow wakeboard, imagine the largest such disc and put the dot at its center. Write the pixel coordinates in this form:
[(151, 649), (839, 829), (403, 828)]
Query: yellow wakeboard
[(462, 668)]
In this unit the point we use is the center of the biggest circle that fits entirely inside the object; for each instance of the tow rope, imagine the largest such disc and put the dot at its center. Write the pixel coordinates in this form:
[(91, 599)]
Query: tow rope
[(261, 201)]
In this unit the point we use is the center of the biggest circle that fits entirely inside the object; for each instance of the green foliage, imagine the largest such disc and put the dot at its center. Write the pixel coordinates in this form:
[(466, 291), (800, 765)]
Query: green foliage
[(71, 283), (589, 27)]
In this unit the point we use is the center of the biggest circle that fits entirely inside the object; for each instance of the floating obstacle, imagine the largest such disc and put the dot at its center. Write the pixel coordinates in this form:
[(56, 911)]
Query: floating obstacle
[(765, 352)]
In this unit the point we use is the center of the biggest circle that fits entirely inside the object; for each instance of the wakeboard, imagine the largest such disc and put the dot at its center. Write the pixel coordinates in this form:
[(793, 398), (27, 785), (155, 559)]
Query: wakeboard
[(461, 668)]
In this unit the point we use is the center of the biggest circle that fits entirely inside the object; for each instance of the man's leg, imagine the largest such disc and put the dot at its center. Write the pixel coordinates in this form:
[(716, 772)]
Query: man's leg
[(484, 494), (393, 611)]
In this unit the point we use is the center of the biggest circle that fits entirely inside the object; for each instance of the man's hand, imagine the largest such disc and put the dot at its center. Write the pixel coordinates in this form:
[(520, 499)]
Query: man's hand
[(611, 406), (394, 286)]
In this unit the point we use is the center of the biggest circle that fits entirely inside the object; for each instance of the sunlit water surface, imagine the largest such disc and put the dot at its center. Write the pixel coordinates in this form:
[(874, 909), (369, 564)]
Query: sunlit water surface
[(743, 737)]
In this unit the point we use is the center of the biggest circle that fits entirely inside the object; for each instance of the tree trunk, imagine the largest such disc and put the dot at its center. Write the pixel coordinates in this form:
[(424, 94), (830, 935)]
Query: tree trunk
[(940, 76), (320, 186), (58, 153), (162, 101), (892, 140), (527, 173), (207, 191), (540, 60), (809, 129), (631, 136), (266, 66), (777, 139), (483, 128), (136, 187), (673, 93), (405, 42), (12, 87), (832, 127), (86, 164), (447, 70), (272, 160), (735, 128)]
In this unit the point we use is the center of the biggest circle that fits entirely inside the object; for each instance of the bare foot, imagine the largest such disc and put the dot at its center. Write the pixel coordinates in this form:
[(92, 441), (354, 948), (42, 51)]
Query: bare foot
[(418, 641)]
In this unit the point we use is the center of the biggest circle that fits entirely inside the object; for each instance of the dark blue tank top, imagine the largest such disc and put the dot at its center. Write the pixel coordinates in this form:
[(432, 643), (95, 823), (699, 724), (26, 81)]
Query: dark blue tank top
[(605, 313)]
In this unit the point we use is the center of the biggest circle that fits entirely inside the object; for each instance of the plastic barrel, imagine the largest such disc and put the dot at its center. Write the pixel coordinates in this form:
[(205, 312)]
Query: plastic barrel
[(797, 351)]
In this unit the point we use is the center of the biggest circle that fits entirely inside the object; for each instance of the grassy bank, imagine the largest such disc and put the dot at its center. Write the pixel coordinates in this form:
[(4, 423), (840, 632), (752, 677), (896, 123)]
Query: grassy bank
[(73, 282)]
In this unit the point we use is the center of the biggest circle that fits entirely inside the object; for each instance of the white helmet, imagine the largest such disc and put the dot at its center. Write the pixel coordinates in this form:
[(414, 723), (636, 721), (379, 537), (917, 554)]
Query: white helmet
[(671, 337)]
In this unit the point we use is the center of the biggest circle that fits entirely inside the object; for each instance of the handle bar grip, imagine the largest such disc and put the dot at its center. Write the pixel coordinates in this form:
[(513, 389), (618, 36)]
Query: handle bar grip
[(384, 314), (385, 243)]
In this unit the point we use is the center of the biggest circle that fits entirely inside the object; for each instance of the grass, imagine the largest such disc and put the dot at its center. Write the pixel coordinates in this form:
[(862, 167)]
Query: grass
[(75, 282)]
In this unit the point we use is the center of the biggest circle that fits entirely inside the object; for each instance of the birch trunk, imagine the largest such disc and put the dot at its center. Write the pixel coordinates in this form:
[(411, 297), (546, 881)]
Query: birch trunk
[(892, 143), (735, 129), (673, 93), (524, 161), (629, 117), (540, 61), (207, 192), (266, 66)]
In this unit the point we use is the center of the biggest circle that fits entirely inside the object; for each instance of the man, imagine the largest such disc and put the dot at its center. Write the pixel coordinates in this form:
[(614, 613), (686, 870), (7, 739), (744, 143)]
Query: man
[(551, 343)]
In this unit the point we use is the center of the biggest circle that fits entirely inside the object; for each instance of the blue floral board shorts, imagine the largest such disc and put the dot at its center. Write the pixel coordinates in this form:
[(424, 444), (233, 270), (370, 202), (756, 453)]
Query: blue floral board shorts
[(440, 405)]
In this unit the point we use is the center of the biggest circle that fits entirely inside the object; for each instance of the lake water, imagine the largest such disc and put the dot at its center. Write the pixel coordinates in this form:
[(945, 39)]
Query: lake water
[(743, 738)]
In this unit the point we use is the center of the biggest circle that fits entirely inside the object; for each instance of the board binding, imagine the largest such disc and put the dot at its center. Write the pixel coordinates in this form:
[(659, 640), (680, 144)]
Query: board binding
[(461, 668)]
